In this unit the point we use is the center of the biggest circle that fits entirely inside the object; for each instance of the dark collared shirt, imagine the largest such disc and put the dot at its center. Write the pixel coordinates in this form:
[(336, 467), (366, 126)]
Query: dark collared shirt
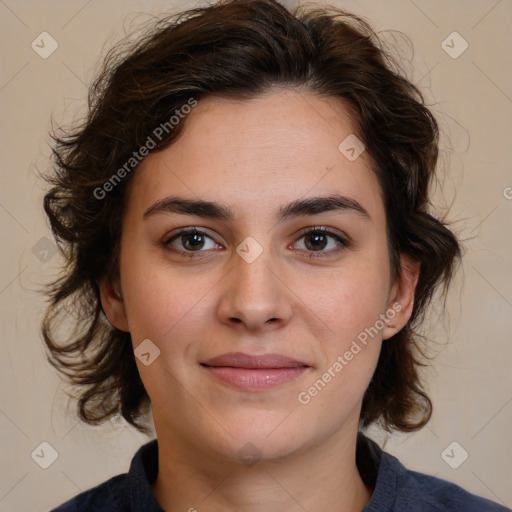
[(396, 489)]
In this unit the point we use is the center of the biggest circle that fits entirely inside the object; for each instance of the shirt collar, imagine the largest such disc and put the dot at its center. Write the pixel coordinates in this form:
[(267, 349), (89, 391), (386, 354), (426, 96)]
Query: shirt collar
[(142, 474)]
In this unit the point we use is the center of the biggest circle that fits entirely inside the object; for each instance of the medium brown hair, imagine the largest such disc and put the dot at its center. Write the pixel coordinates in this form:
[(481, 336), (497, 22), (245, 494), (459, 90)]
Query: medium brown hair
[(237, 49)]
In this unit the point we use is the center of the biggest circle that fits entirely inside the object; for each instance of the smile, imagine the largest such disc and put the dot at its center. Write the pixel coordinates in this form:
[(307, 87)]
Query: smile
[(254, 372)]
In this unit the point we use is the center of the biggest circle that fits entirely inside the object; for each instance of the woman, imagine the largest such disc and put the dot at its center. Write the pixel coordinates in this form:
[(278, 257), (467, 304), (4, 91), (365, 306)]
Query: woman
[(245, 215)]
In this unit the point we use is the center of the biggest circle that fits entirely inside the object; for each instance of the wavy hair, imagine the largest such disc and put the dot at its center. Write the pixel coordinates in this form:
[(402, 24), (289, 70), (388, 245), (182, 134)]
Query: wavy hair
[(237, 49)]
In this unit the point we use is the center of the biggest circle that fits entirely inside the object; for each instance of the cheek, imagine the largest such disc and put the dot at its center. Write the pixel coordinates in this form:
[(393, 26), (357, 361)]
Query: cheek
[(347, 300), (349, 304), (156, 307), (351, 310), (167, 307)]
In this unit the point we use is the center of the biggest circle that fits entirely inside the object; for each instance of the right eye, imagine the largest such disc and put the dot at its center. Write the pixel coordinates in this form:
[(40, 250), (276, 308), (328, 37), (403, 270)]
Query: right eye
[(191, 240)]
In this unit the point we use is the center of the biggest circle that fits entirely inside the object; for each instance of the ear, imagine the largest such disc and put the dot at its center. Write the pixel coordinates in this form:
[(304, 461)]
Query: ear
[(112, 302), (401, 298)]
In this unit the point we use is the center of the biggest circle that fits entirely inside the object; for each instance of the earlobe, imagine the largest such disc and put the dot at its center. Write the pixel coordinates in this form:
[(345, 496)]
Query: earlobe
[(402, 297), (113, 303)]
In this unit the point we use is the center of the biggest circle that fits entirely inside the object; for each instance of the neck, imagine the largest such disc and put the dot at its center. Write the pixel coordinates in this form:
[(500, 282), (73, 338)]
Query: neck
[(322, 478)]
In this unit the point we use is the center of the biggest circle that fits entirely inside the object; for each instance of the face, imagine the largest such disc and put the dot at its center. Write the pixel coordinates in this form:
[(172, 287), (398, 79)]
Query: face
[(252, 328)]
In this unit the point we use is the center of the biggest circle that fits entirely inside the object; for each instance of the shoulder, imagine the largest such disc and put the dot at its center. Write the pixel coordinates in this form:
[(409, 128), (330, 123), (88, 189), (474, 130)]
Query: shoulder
[(107, 496), (425, 493), (122, 493), (398, 489)]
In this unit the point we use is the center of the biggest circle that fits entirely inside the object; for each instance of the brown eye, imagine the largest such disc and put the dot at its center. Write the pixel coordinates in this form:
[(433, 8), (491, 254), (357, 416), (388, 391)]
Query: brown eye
[(317, 239), (190, 240)]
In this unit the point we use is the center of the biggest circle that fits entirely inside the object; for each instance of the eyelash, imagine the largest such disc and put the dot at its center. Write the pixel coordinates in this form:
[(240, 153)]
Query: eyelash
[(312, 254)]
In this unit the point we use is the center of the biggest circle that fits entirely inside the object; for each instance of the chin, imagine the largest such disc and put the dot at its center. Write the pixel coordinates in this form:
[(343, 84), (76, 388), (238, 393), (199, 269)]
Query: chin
[(266, 437)]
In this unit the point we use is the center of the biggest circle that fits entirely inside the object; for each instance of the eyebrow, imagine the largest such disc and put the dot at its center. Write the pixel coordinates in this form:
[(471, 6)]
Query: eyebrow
[(218, 211)]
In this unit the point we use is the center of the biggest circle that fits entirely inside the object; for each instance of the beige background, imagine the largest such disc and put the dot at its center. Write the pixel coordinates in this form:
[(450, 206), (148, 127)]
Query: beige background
[(470, 382)]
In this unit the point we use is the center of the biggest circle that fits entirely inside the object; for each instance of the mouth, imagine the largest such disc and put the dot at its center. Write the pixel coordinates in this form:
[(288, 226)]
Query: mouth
[(254, 372)]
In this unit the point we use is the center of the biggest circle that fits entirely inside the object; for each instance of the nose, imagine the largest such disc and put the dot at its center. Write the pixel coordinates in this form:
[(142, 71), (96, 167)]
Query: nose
[(255, 296)]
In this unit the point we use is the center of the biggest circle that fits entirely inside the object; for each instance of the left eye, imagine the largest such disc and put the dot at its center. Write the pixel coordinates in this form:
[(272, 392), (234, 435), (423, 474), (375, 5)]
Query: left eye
[(317, 237), (193, 240)]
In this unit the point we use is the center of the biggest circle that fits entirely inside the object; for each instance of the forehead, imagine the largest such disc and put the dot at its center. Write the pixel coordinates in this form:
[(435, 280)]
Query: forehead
[(273, 148)]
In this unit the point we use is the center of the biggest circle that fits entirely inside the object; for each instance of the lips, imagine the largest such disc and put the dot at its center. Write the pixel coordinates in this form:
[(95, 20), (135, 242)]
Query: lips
[(241, 360), (254, 372)]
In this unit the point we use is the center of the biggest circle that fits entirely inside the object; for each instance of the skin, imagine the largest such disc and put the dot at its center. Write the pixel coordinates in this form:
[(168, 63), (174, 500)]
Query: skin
[(256, 156)]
